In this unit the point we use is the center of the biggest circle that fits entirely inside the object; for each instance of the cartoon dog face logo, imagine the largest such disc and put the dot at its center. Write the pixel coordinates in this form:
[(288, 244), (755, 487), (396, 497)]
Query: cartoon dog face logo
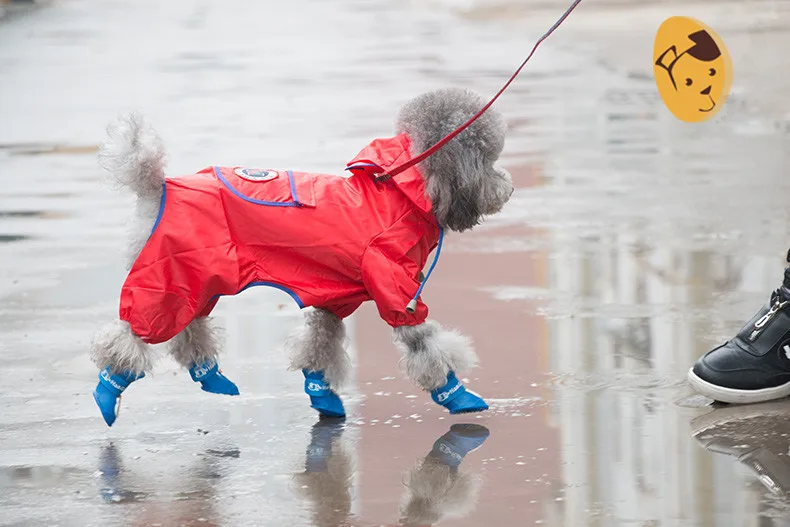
[(692, 67)]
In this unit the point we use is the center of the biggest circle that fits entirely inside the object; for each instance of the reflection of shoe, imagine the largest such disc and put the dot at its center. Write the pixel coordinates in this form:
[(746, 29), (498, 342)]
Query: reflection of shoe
[(320, 449), (322, 398), (108, 392), (456, 398), (211, 379), (755, 435), (755, 365), (461, 439)]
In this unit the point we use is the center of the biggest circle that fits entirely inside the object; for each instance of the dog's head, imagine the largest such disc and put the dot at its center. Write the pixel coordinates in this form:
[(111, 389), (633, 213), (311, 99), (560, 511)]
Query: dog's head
[(460, 179)]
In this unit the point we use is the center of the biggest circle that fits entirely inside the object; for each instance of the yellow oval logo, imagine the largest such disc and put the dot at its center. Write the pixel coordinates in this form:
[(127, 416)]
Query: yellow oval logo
[(693, 69)]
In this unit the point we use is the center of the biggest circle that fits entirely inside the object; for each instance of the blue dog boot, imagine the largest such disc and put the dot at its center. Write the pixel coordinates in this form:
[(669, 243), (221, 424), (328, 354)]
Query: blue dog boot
[(461, 439), (211, 379), (322, 398), (108, 392), (456, 398)]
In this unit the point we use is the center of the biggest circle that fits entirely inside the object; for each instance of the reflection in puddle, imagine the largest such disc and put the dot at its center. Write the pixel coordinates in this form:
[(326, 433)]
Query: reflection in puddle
[(434, 489), (8, 238), (757, 436), (41, 214), (35, 149), (192, 500), (233, 452), (110, 468), (27, 214), (36, 476)]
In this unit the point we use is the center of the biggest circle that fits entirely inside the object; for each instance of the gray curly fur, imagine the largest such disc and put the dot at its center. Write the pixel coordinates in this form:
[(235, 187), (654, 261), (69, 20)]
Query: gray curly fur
[(430, 352), (199, 343), (116, 347), (319, 345), (461, 180), (134, 157)]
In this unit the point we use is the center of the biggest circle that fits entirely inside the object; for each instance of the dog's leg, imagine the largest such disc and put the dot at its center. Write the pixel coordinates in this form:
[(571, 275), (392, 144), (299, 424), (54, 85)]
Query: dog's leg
[(133, 157), (122, 358), (318, 349), (433, 355), (197, 348)]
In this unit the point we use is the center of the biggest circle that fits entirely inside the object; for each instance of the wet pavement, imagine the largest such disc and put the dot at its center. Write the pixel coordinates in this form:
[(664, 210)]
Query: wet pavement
[(633, 244)]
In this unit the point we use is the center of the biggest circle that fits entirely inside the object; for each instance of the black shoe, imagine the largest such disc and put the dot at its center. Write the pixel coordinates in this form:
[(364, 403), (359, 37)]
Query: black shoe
[(755, 365), (757, 436)]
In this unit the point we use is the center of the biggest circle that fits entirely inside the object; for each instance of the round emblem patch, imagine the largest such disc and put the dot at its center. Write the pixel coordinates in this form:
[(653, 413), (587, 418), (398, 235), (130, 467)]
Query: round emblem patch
[(254, 174)]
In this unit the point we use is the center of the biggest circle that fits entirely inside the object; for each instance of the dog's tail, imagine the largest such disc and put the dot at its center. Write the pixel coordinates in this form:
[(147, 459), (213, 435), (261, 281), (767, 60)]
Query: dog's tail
[(134, 156)]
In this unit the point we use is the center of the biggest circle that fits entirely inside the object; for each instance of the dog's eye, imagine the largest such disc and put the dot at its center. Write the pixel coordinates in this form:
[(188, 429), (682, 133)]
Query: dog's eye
[(689, 82), (712, 72)]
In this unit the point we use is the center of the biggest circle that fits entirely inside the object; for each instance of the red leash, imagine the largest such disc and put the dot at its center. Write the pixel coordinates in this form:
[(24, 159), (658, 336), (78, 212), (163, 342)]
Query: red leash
[(449, 137)]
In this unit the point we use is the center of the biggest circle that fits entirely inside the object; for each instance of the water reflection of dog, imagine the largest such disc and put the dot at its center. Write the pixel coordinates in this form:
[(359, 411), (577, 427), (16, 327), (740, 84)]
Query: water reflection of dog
[(434, 489), (757, 435), (329, 469), (194, 492)]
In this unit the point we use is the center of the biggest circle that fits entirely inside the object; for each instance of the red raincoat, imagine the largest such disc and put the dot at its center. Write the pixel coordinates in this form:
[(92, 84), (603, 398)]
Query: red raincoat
[(328, 241)]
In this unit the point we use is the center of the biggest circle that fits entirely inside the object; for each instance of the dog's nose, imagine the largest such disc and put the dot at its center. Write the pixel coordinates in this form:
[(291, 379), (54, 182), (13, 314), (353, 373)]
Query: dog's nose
[(706, 91)]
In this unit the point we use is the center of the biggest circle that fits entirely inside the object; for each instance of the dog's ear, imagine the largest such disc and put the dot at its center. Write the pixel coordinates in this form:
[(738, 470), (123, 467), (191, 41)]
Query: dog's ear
[(455, 186), (705, 47), (455, 175)]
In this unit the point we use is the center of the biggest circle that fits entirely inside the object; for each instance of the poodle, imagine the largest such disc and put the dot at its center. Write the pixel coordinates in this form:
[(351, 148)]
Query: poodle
[(330, 242)]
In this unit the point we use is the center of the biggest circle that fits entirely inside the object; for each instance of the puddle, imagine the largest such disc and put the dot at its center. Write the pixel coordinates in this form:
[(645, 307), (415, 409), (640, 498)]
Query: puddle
[(9, 238), (232, 453), (37, 476), (42, 214), (35, 149)]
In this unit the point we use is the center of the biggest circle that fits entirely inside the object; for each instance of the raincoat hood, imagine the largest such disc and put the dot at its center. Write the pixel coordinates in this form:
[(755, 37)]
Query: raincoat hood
[(382, 155)]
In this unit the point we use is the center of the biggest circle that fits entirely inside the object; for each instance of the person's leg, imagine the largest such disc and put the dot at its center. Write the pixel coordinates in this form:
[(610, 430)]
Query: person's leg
[(753, 366)]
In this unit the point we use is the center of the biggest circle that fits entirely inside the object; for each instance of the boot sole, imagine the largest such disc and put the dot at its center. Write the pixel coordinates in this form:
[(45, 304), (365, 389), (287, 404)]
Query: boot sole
[(472, 411), (733, 396)]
